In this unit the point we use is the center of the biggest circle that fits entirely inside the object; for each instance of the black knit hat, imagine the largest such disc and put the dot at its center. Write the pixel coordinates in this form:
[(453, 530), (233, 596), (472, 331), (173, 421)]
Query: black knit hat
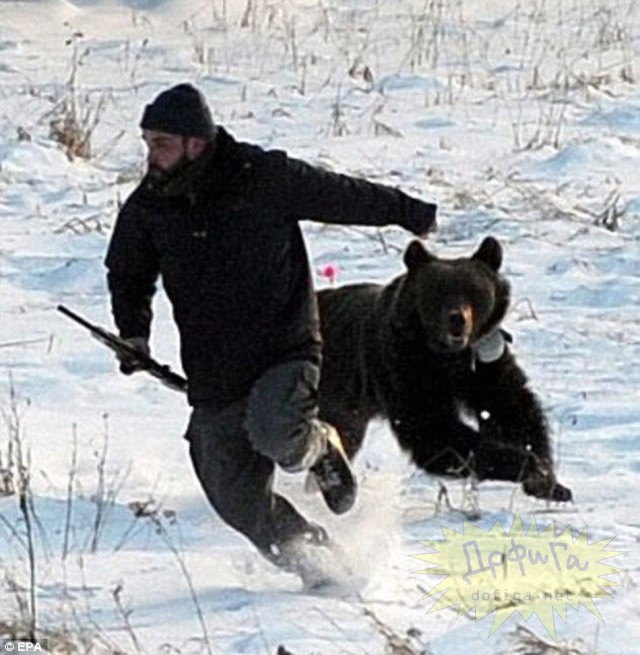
[(181, 110)]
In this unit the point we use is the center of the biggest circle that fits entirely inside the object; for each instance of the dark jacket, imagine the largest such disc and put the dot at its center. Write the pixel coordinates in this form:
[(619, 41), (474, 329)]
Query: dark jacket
[(225, 239)]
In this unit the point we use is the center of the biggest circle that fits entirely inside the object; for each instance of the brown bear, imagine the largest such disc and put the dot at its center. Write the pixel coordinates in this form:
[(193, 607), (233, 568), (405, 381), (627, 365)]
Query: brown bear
[(426, 352)]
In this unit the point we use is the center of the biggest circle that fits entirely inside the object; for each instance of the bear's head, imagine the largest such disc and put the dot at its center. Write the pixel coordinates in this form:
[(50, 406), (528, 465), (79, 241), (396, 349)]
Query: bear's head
[(448, 304)]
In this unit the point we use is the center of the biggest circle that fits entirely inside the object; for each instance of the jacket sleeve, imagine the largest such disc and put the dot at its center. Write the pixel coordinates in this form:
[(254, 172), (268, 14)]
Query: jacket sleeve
[(132, 266), (316, 194)]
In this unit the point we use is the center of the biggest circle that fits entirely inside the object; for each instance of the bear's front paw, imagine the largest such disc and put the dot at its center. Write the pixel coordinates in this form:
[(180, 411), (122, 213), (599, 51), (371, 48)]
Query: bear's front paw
[(547, 488)]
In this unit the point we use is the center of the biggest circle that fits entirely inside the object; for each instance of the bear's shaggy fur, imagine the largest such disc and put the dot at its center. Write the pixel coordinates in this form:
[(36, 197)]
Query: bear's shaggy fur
[(408, 351)]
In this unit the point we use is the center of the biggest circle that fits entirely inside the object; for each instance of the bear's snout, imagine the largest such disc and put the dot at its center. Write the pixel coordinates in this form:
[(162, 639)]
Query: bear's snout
[(459, 327), (457, 323)]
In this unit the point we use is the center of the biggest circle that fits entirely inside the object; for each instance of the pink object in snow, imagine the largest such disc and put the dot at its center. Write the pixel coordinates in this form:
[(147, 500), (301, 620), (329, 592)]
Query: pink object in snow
[(330, 271)]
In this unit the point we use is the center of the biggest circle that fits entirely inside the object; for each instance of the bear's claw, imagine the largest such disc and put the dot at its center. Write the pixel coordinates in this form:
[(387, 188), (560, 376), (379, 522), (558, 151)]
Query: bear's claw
[(547, 488)]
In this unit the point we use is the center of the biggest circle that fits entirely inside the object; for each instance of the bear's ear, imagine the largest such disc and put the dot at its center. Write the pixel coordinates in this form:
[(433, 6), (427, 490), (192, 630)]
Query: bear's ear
[(490, 252), (416, 254)]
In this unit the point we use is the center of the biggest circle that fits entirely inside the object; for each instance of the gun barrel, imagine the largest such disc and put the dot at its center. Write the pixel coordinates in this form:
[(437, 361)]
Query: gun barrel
[(75, 317), (150, 365)]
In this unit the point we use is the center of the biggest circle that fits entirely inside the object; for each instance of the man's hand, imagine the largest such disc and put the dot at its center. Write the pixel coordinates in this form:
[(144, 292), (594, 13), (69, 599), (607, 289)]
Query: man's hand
[(421, 223), (128, 363)]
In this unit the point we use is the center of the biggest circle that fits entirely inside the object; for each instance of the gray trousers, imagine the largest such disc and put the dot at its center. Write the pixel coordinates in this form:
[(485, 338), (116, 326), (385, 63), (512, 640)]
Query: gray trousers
[(235, 449)]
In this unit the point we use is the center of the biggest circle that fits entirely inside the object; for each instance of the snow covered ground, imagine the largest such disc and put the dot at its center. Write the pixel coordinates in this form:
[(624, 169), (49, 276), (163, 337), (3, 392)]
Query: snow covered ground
[(522, 120)]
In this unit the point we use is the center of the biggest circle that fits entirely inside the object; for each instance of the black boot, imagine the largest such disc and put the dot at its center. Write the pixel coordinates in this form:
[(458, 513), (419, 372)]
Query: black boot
[(317, 560), (333, 475)]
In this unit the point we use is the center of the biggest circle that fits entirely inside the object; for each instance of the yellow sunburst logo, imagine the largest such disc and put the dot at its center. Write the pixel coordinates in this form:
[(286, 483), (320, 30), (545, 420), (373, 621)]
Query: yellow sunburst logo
[(523, 571)]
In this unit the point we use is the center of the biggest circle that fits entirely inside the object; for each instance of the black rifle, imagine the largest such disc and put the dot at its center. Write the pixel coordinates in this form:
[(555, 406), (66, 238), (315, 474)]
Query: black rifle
[(121, 347)]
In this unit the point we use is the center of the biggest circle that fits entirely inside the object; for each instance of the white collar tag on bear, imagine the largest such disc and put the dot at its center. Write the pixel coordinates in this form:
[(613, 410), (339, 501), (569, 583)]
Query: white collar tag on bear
[(490, 347)]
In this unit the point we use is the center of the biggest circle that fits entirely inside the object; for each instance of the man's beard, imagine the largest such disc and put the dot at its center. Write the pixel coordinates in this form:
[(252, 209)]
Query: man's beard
[(159, 177)]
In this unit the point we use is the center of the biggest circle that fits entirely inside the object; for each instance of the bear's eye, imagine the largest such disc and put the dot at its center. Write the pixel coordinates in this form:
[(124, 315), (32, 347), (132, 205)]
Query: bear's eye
[(482, 298)]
